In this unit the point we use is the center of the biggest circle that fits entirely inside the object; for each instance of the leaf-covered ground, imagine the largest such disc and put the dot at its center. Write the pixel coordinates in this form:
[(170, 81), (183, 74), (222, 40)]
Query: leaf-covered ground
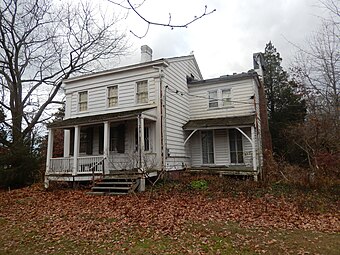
[(229, 217)]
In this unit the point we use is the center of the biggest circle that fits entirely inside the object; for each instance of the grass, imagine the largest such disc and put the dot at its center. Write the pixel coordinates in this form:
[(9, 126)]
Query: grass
[(213, 238)]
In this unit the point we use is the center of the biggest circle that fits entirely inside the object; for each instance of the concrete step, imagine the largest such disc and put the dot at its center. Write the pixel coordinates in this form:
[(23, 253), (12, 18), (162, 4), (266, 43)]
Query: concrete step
[(115, 183), (111, 188), (98, 193)]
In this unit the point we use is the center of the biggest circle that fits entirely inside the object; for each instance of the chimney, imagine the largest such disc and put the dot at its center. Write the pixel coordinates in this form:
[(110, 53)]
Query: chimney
[(259, 65), (146, 54)]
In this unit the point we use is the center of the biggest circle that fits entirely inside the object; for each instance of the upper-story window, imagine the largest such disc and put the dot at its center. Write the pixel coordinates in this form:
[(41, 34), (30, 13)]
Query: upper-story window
[(213, 99), (220, 98), (82, 101), (112, 96), (226, 97), (142, 94)]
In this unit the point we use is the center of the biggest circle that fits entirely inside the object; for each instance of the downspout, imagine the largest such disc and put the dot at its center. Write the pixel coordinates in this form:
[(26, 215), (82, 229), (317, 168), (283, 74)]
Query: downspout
[(162, 113)]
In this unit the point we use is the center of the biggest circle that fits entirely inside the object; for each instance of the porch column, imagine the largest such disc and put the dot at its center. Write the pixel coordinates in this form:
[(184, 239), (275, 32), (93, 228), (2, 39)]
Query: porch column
[(141, 151), (253, 145), (49, 154), (76, 149), (106, 145), (140, 141), (67, 143)]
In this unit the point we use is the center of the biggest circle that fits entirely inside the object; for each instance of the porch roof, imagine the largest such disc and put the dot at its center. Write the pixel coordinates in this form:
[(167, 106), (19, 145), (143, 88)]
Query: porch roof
[(97, 118), (219, 122)]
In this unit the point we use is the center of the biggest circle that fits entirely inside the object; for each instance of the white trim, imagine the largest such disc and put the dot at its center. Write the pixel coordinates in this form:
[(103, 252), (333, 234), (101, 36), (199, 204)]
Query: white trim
[(189, 136)]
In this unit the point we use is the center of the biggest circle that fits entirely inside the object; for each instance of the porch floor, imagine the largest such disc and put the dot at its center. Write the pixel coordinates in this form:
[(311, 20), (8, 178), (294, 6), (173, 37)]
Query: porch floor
[(224, 170)]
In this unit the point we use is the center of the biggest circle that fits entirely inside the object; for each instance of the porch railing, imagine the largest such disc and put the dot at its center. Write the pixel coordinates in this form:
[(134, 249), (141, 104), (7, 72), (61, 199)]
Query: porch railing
[(61, 165), (86, 165), (90, 165)]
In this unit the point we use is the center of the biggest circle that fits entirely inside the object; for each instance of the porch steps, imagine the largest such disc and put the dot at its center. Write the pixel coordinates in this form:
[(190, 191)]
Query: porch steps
[(117, 184)]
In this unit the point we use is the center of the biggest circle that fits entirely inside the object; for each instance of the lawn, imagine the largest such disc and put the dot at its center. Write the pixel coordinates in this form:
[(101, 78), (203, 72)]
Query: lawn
[(224, 216)]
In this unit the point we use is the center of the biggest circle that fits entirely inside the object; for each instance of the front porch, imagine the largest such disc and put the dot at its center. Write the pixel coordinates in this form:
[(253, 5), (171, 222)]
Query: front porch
[(91, 151)]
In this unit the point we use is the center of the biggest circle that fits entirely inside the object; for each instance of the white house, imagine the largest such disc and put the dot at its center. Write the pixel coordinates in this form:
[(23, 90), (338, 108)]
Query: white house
[(159, 115)]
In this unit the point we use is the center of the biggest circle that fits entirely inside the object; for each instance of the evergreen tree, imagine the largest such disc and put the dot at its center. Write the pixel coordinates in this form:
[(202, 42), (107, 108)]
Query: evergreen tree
[(284, 104)]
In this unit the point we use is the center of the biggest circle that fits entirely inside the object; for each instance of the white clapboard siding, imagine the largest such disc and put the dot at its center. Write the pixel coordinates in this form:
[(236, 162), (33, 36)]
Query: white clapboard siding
[(196, 150), (177, 104), (221, 147), (241, 92), (97, 92)]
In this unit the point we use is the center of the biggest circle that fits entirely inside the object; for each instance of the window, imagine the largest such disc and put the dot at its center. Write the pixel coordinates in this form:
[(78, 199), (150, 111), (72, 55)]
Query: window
[(207, 147), (147, 141), (112, 97), (142, 95), (220, 98), (82, 101), (236, 147), (226, 97), (213, 100), (117, 139)]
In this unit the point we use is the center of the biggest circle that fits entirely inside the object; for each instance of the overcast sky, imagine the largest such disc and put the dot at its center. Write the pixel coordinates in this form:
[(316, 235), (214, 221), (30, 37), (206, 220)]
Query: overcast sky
[(223, 42)]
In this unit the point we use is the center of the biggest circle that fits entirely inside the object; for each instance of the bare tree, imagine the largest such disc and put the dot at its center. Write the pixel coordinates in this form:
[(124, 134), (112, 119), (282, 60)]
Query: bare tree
[(40, 45), (318, 66), (317, 69), (128, 5)]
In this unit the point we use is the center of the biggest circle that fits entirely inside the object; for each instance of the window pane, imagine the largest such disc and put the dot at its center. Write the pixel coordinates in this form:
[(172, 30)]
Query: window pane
[(142, 92), (207, 147), (236, 146), (113, 96), (83, 101), (213, 101), (226, 97)]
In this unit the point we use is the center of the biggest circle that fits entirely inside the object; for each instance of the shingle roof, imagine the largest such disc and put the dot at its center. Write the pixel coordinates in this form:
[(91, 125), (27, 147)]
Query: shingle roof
[(219, 122), (224, 78)]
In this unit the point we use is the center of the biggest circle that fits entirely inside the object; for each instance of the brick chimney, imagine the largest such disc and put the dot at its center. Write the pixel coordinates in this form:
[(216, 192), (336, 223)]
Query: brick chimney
[(146, 54)]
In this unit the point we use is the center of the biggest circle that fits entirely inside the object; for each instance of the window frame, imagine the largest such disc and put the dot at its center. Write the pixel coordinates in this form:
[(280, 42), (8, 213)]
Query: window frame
[(238, 152), (219, 101), (139, 98), (109, 97), (210, 154), (80, 102), (212, 100), (229, 99)]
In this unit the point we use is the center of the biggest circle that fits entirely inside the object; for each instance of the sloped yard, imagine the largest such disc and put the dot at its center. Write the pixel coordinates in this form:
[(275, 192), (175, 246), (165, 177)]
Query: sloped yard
[(221, 217)]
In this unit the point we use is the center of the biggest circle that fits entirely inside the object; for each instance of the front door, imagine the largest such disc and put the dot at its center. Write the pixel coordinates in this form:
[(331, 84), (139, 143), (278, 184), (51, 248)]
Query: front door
[(236, 146)]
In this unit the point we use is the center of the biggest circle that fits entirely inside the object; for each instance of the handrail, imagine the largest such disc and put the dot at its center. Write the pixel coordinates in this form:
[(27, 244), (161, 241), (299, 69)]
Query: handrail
[(95, 165)]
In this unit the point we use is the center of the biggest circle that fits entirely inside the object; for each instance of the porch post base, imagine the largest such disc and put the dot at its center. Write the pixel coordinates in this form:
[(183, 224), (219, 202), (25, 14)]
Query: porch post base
[(141, 186), (46, 183), (256, 177)]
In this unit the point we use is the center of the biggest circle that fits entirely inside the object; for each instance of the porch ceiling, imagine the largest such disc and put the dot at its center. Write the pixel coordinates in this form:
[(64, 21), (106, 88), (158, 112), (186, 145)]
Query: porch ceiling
[(97, 118), (219, 122)]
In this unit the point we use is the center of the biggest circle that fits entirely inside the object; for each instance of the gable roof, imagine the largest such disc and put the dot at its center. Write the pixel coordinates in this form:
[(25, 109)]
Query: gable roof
[(158, 62)]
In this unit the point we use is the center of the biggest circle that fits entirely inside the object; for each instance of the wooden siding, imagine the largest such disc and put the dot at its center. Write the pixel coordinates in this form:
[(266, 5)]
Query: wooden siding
[(242, 105), (177, 108), (221, 148), (97, 92)]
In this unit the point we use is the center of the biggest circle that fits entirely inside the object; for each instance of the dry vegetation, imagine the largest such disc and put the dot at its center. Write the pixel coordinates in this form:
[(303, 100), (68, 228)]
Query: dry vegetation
[(215, 216)]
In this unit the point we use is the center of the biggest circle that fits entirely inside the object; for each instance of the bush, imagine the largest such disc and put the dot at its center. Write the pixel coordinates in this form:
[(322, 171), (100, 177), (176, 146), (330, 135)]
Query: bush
[(199, 184)]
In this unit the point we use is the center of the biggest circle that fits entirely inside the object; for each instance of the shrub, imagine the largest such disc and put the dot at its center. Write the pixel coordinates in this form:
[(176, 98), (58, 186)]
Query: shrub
[(199, 184)]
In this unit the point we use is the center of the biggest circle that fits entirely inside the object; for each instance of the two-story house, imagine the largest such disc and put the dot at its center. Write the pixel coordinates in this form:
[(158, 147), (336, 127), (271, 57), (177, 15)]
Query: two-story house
[(158, 115)]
